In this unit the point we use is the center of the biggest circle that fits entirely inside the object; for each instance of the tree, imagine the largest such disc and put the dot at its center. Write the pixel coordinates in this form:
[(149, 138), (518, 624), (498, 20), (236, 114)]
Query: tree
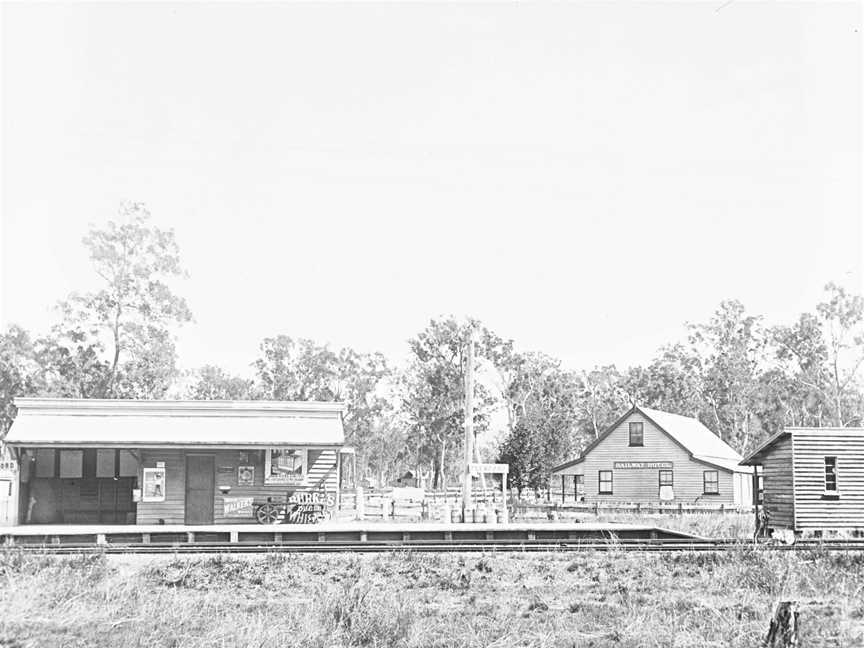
[(672, 382), (301, 369), (20, 372), (132, 315), (730, 349), (544, 420), (799, 387), (602, 400), (433, 390), (843, 317), (823, 352), (214, 383)]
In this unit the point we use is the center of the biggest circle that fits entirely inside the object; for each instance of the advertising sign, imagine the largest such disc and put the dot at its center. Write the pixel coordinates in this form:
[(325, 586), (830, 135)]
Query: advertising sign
[(153, 486), (237, 506), (642, 465), (285, 466), (245, 475)]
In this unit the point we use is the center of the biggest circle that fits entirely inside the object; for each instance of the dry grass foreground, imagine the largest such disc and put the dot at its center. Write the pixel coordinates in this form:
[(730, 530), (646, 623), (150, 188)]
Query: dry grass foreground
[(430, 600)]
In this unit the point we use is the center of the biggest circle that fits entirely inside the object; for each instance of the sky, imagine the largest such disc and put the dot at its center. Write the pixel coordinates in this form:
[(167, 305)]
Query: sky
[(582, 177)]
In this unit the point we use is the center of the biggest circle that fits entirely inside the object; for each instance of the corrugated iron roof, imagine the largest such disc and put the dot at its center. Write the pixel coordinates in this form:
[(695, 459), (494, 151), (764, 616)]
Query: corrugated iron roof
[(702, 444), (71, 422)]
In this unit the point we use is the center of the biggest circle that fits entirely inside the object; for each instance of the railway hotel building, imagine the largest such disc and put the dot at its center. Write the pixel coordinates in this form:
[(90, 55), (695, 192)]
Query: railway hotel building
[(649, 456), (70, 461)]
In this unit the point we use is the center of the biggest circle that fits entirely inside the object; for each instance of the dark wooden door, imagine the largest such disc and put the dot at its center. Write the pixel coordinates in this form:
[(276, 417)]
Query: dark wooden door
[(200, 485)]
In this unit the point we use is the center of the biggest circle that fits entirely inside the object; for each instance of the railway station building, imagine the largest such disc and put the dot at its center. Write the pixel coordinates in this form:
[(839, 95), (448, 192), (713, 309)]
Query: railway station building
[(812, 479), (71, 461), (648, 456)]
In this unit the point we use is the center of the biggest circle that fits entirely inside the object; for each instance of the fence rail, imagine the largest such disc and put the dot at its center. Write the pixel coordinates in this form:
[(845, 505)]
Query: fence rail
[(490, 505)]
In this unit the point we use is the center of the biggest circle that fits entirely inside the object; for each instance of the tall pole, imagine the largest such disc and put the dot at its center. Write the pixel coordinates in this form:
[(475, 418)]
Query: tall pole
[(469, 430)]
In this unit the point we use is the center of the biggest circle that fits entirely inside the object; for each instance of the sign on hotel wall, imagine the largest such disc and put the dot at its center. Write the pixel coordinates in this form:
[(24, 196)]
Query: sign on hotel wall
[(153, 486), (237, 506), (642, 465), (245, 475)]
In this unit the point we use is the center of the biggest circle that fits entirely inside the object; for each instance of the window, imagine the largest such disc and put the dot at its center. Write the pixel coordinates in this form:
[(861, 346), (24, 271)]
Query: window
[(105, 463), (580, 485), (71, 464), (285, 466), (128, 464), (605, 482), (45, 463), (710, 482), (830, 474), (666, 478), (636, 438)]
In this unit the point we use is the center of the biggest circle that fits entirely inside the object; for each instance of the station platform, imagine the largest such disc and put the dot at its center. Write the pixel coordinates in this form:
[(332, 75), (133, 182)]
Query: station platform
[(330, 532)]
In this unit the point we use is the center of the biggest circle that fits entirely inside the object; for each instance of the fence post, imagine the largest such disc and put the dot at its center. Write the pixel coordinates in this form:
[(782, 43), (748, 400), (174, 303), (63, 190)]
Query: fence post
[(722, 508), (360, 506), (680, 508), (596, 508), (783, 629)]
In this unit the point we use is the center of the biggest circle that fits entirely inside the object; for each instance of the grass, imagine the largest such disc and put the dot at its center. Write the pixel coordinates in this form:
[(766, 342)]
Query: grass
[(609, 599), (707, 525)]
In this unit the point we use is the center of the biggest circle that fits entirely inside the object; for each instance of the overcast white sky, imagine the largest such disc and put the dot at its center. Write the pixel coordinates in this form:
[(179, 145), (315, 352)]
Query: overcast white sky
[(584, 178)]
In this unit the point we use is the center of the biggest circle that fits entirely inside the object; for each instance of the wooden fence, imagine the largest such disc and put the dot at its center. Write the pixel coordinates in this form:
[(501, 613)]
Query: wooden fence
[(416, 504)]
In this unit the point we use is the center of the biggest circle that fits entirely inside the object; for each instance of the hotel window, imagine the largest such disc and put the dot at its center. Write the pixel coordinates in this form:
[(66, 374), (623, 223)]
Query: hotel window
[(665, 478), (831, 475), (604, 482), (636, 438), (710, 482)]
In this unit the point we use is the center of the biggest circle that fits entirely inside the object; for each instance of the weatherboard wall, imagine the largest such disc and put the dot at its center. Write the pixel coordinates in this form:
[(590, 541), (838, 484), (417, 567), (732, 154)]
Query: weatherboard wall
[(778, 485), (321, 476), (814, 507), (642, 484)]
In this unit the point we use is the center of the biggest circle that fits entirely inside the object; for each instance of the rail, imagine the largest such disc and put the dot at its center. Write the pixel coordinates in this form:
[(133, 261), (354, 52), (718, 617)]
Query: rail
[(438, 546)]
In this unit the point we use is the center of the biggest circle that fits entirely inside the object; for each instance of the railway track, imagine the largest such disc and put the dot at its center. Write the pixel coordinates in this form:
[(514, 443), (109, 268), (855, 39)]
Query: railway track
[(488, 546)]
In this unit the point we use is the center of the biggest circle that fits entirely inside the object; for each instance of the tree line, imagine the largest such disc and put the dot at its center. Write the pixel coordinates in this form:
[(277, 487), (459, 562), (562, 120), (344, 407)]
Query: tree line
[(744, 379)]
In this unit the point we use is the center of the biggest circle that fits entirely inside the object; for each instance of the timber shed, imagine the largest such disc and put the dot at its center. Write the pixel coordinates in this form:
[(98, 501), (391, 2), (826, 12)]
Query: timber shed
[(648, 456), (813, 479), (78, 461)]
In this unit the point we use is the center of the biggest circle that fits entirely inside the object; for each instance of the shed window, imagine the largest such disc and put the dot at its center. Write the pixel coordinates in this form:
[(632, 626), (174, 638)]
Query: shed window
[(605, 482), (830, 474), (636, 437), (128, 464), (71, 464), (580, 485), (45, 463), (710, 482)]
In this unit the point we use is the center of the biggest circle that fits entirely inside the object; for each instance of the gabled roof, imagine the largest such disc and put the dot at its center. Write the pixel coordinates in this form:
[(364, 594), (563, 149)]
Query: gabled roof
[(54, 422), (756, 457), (697, 440)]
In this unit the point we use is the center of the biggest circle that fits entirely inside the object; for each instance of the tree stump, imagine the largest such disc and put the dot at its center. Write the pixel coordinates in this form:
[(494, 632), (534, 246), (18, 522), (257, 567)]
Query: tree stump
[(783, 629)]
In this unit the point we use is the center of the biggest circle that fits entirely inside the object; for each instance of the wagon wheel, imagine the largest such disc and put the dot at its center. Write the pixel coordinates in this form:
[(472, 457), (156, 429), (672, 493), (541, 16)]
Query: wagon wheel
[(267, 514)]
